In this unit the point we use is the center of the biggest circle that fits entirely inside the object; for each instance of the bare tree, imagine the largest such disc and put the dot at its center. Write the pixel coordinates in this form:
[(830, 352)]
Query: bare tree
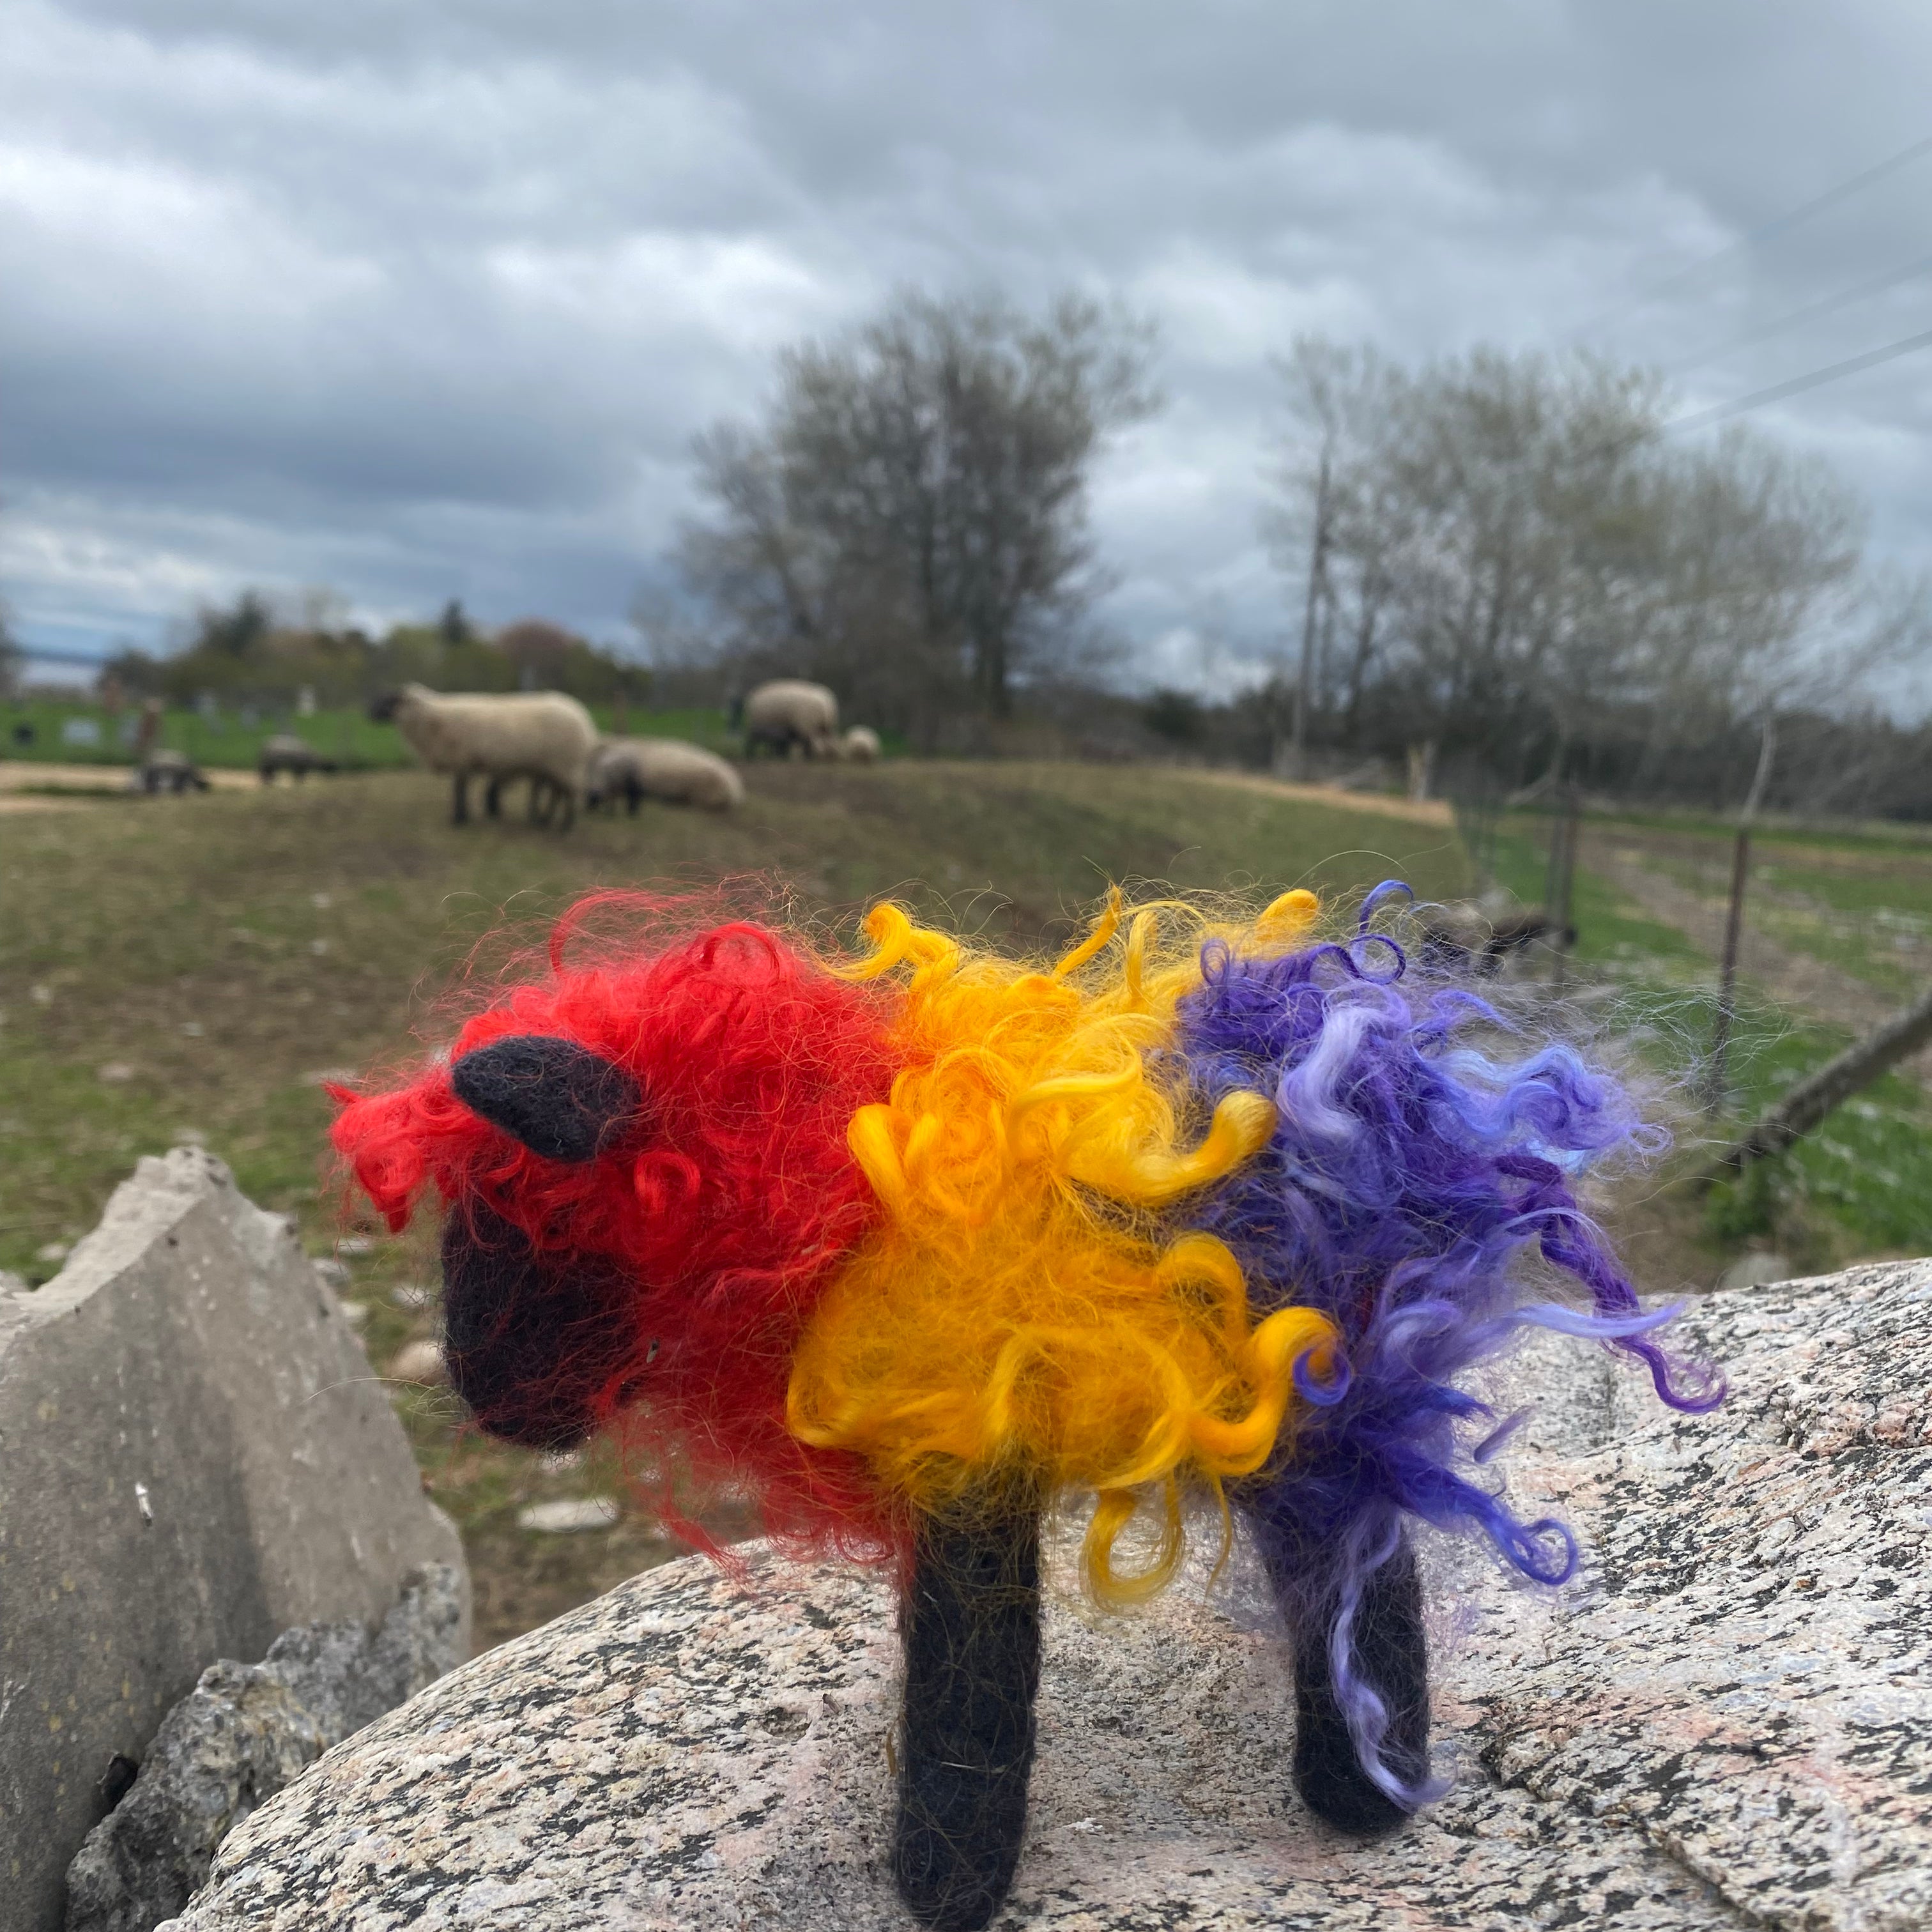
[(1510, 552), (539, 649), (1330, 507), (914, 507)]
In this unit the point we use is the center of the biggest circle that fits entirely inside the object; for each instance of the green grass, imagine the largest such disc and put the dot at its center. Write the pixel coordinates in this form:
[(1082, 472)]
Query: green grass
[(1885, 837), (234, 738), (1863, 908), (1613, 937), (186, 968), (1870, 1168)]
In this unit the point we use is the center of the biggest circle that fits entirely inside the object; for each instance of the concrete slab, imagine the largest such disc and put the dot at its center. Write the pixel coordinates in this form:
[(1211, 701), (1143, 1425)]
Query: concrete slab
[(195, 1455)]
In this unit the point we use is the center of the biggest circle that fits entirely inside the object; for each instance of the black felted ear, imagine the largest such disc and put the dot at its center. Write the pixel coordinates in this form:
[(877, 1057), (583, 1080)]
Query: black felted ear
[(529, 1340), (560, 1099)]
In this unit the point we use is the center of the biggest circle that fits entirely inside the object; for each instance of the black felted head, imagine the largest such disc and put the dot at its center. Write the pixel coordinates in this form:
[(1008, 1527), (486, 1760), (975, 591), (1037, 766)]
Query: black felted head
[(530, 1339), (560, 1099)]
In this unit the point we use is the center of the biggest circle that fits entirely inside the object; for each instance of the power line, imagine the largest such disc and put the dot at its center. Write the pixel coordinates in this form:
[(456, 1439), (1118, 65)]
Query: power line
[(1845, 190), (1810, 312), (1798, 385), (1777, 225)]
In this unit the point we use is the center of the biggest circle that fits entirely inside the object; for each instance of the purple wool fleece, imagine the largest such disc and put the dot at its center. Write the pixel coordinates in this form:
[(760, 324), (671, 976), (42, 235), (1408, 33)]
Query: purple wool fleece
[(1404, 1179)]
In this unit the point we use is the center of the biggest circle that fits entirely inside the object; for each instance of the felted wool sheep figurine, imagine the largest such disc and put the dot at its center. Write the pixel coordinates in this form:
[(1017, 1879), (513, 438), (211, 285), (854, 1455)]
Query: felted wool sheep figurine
[(916, 1244)]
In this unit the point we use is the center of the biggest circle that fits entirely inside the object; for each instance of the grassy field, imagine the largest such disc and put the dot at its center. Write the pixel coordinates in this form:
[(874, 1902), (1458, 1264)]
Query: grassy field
[(233, 737), (178, 969), (1863, 1184), (191, 969)]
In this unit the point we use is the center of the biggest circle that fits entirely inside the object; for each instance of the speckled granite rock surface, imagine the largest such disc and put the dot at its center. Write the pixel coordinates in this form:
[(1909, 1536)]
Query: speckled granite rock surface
[(1727, 1722)]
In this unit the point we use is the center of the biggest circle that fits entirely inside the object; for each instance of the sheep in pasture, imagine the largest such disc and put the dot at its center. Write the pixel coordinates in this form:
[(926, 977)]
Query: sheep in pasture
[(789, 712), (859, 745), (634, 768), (285, 752), (163, 770), (542, 735)]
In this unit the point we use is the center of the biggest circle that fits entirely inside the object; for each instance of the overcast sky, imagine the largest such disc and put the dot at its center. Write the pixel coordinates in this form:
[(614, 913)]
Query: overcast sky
[(417, 298)]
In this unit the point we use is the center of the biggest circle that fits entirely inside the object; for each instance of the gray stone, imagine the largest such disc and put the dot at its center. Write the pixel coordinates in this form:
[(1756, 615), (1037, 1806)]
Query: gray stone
[(195, 1456), (568, 1515), (1726, 1723), (240, 1734), (419, 1361)]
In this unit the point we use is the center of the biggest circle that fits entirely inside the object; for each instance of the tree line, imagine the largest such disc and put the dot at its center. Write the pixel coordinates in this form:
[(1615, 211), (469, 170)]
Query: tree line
[(1495, 563), (1508, 560), (249, 650), (1497, 568)]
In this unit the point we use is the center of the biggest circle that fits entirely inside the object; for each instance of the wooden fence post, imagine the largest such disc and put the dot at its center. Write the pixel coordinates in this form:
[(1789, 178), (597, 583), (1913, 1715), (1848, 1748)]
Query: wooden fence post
[(1560, 890), (1718, 1090)]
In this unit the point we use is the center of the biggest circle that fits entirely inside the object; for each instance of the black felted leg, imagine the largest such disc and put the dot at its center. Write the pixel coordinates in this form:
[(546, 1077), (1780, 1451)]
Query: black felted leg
[(1391, 1655), (971, 1625), (459, 798)]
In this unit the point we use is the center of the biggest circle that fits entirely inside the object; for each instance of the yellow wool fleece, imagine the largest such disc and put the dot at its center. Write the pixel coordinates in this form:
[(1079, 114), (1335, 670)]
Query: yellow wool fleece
[(1019, 1311)]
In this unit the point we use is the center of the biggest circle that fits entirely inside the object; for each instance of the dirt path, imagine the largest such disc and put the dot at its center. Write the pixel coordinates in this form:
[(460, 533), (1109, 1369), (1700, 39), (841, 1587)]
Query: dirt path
[(31, 785)]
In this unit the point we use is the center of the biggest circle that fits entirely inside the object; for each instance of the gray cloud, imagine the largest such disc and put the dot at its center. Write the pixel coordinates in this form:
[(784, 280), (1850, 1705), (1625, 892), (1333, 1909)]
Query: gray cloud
[(429, 300)]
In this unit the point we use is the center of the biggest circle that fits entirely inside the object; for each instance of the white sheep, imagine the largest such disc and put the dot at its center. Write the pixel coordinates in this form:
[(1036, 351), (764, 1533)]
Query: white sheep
[(542, 735), (859, 745), (668, 769), (789, 712)]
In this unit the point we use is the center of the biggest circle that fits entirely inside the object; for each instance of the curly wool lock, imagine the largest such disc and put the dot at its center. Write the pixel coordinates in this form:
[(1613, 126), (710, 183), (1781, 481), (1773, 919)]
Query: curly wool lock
[(1408, 1175), (719, 1217), (1021, 1306)]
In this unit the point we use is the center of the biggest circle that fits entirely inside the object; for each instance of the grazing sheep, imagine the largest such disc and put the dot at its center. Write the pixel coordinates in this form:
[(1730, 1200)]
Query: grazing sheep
[(633, 769), (285, 752), (789, 712), (859, 745), (542, 735), (162, 770)]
